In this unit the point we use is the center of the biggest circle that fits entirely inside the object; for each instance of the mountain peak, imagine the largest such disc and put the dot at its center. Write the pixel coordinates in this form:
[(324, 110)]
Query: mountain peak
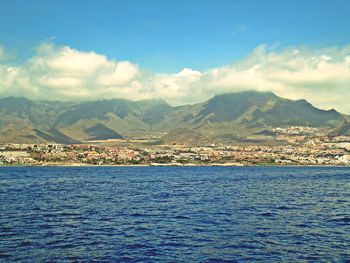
[(223, 117), (248, 93), (15, 99), (17, 104)]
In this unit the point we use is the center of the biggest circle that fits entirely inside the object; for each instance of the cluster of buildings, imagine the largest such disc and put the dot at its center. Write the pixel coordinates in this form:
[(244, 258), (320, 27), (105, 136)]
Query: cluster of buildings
[(315, 150), (296, 130)]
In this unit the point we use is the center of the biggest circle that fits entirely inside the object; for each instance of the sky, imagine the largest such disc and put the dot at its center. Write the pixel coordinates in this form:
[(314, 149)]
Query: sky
[(181, 51)]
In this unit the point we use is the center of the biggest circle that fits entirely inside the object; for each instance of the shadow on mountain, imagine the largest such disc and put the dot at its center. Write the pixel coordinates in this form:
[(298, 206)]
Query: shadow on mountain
[(101, 132)]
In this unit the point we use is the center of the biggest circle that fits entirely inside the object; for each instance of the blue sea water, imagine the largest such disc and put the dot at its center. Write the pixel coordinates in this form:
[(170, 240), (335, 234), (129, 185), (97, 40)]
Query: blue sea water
[(174, 214)]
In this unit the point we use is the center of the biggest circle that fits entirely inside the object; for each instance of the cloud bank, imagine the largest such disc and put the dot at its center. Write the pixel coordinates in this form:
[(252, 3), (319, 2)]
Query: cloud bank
[(321, 76)]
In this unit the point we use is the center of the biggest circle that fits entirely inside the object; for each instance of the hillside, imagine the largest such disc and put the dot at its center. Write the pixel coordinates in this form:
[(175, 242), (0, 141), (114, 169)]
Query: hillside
[(232, 117)]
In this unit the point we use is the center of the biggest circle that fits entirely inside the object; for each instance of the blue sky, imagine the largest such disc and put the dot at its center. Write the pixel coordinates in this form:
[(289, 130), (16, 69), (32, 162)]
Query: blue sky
[(166, 36), (181, 51)]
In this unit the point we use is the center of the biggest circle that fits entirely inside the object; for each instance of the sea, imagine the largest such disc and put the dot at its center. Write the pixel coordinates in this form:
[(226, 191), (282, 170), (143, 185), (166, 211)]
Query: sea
[(174, 214)]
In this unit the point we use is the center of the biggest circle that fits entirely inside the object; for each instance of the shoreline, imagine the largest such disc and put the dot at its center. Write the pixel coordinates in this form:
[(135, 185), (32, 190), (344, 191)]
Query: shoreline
[(169, 165)]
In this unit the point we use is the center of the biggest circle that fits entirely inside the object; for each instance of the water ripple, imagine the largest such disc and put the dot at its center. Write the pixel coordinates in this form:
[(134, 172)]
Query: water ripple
[(174, 214)]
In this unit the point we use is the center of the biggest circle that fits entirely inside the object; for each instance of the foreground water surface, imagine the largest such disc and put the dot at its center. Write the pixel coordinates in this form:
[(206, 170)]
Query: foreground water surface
[(174, 214)]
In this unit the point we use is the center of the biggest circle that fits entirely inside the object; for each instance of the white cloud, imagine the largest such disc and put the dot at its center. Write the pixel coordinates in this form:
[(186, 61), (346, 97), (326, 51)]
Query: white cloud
[(321, 76), (62, 82), (61, 73), (71, 62), (177, 88), (118, 74)]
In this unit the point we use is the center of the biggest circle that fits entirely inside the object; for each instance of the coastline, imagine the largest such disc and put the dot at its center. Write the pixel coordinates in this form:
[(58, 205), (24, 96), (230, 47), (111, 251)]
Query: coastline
[(170, 165)]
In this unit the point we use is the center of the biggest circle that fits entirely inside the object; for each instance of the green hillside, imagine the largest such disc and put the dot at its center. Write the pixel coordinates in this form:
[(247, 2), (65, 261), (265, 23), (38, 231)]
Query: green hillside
[(233, 117)]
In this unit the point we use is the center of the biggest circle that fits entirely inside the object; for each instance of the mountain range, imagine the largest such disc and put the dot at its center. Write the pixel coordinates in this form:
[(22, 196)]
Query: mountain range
[(234, 117)]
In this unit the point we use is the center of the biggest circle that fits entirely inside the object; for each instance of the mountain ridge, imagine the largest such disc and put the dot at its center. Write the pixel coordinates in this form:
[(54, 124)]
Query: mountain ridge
[(234, 116)]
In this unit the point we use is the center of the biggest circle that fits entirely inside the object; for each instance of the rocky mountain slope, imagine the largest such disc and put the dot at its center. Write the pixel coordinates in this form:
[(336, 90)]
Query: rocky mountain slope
[(229, 117)]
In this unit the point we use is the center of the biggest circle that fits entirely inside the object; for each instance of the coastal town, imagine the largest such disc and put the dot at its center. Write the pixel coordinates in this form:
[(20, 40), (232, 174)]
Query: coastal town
[(301, 147)]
